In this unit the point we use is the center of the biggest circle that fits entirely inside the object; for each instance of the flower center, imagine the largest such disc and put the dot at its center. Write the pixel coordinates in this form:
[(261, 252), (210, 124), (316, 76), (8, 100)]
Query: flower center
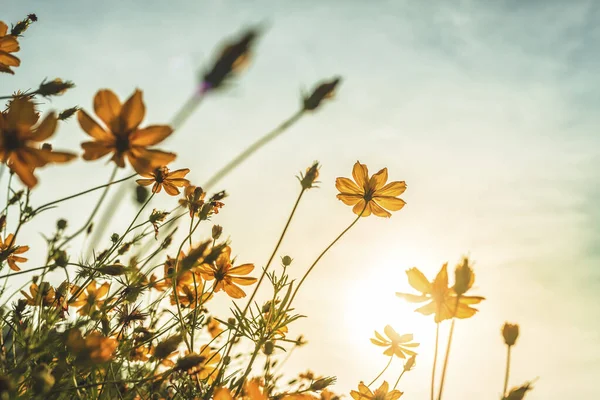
[(12, 141), (122, 144)]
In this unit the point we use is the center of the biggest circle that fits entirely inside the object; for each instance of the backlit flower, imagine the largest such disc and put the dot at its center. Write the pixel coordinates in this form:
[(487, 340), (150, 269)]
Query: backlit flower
[(8, 252), (395, 343), (442, 300), (518, 393), (8, 44), (94, 348), (383, 393), (43, 294), (121, 134), (205, 365), (161, 177), (214, 327), (20, 141), (226, 276), (193, 199), (370, 195), (91, 298)]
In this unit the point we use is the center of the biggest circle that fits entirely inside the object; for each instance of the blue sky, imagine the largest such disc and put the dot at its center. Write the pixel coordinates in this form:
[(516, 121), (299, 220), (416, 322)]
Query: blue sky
[(488, 110)]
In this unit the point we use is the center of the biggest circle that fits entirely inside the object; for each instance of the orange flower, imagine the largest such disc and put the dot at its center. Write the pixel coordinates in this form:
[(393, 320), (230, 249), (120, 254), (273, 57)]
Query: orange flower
[(8, 44), (443, 301), (17, 138), (370, 194), (190, 296), (43, 294), (204, 365), (95, 348), (122, 135), (162, 178), (225, 277), (396, 344), (91, 298), (213, 327), (8, 251), (364, 393)]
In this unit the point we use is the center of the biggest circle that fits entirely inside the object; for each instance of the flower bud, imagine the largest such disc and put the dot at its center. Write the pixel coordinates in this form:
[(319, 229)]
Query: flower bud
[(61, 224), (269, 348), (286, 261), (43, 380), (113, 269), (55, 87), (322, 383), (510, 332), (464, 277), (217, 230), (323, 91), (410, 363), (166, 347), (68, 113), (141, 194), (309, 179)]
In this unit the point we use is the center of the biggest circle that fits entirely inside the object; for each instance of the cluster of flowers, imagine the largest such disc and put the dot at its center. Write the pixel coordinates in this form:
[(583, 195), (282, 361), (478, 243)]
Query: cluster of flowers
[(118, 329)]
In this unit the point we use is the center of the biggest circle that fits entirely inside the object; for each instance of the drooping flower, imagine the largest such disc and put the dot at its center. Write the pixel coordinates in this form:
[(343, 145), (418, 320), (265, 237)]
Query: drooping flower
[(161, 177), (193, 199), (8, 252), (8, 45), (121, 134), (382, 393), (396, 344), (20, 139), (370, 195), (226, 276), (443, 302), (91, 298)]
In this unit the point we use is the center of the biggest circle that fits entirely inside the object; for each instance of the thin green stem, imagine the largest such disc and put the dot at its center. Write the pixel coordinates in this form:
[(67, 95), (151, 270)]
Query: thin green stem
[(253, 148), (446, 359), (186, 111), (400, 377), (507, 374), (435, 354), (381, 373)]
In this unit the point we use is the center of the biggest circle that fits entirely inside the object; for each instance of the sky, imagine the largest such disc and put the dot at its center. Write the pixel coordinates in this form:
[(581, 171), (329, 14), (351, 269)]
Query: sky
[(488, 111)]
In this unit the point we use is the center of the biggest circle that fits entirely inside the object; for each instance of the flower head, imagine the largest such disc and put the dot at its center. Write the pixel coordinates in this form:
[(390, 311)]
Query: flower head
[(510, 332), (8, 252), (324, 90), (396, 344), (161, 177), (444, 303), (370, 195), (383, 393), (42, 295), (8, 44), (121, 134), (94, 348), (91, 298), (19, 140), (193, 199), (518, 393), (201, 365), (226, 276)]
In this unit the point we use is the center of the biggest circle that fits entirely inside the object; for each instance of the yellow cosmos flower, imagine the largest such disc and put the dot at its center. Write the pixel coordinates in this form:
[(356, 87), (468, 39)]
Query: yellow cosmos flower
[(190, 296), (193, 199), (161, 177), (8, 252), (8, 44), (383, 393), (122, 136), (226, 276), (20, 139), (370, 194), (206, 367), (396, 344), (214, 327), (91, 298), (443, 301)]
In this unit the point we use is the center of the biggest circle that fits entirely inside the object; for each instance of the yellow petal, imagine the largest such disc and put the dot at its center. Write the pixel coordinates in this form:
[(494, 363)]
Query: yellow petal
[(360, 207), (108, 107), (417, 280), (3, 29), (392, 189), (440, 283), (92, 128), (360, 173), (150, 135), (391, 333), (21, 114), (133, 112), (9, 59), (346, 186), (389, 203), (377, 210), (45, 129), (349, 199), (379, 179), (9, 44), (242, 269)]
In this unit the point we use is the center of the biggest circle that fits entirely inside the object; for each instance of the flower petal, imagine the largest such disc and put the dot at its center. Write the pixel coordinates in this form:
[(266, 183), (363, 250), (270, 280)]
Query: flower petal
[(150, 135), (44, 130), (95, 150), (92, 128), (107, 106), (349, 199), (377, 210), (379, 179), (241, 270), (143, 160), (389, 203), (392, 189), (133, 112), (21, 114), (360, 173), (346, 186), (243, 280), (418, 280), (360, 207)]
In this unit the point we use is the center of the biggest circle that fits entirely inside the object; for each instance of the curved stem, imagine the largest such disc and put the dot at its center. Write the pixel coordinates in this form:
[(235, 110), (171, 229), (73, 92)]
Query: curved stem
[(381, 373), (94, 211), (446, 359), (254, 147), (506, 375), (400, 377), (435, 353)]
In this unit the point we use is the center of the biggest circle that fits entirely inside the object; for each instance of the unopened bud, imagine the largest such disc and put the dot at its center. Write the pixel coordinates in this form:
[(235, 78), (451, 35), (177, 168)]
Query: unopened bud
[(68, 113), (510, 332), (323, 91), (286, 261), (464, 277), (322, 383), (61, 224), (113, 269), (55, 87), (410, 363), (217, 230), (269, 348), (309, 180)]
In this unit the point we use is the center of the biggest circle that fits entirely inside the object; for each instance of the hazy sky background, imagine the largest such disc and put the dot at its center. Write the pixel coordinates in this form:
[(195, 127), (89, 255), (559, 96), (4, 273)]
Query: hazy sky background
[(488, 110)]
